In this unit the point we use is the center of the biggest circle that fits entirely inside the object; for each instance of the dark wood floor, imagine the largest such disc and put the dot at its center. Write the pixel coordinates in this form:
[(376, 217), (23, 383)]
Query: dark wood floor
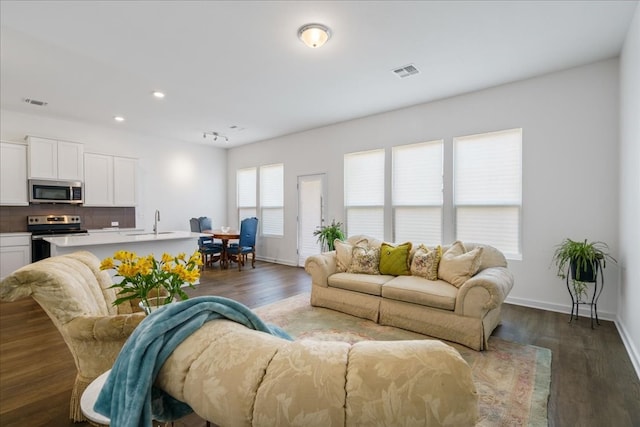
[(593, 381)]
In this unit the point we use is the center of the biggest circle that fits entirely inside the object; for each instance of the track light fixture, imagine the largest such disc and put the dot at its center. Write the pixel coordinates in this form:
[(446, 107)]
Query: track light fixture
[(215, 136)]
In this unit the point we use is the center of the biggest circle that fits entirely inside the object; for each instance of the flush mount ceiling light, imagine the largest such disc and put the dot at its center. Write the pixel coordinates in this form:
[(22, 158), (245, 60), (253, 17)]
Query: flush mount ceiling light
[(314, 35)]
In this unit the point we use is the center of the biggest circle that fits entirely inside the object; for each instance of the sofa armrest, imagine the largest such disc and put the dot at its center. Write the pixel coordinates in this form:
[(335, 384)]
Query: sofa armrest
[(320, 267), (103, 328), (484, 292)]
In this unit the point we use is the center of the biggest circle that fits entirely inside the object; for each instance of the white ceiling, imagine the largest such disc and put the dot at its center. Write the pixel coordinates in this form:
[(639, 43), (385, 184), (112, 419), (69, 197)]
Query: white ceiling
[(227, 63)]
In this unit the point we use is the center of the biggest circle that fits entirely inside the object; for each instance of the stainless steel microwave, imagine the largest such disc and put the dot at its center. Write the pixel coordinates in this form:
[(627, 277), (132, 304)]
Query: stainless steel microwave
[(44, 191)]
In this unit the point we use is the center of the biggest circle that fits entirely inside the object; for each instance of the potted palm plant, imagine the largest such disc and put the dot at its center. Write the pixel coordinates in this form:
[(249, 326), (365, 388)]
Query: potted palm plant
[(328, 233), (582, 260)]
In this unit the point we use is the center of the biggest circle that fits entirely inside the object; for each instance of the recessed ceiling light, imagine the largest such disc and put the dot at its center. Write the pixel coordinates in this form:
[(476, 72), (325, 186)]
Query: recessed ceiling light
[(158, 94), (118, 118)]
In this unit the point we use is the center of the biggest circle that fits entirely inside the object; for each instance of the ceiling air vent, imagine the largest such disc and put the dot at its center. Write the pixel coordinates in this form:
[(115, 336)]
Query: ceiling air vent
[(406, 71), (35, 102)]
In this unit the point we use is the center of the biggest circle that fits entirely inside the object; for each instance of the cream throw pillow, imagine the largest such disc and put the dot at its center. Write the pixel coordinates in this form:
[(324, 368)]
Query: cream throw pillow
[(365, 260), (344, 252), (457, 265), (426, 261)]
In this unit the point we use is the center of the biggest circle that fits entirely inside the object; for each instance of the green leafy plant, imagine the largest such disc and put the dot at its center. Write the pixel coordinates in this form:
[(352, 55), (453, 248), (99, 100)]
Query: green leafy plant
[(578, 258), (329, 233)]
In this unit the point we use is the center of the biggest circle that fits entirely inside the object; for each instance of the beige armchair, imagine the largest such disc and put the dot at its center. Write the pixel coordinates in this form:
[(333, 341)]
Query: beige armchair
[(75, 293)]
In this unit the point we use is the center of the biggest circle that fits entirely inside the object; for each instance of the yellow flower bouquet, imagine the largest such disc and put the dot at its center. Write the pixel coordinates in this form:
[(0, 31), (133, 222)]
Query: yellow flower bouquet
[(149, 279)]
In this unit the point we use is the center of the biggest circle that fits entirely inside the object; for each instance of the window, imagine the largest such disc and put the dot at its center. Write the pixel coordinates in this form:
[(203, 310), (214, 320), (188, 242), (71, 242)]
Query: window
[(364, 193), (488, 189), (416, 191), (272, 199), (247, 196)]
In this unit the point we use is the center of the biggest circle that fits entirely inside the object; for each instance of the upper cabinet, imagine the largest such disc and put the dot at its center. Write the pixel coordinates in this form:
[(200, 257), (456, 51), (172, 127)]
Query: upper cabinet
[(124, 181), (13, 174), (53, 159), (109, 180)]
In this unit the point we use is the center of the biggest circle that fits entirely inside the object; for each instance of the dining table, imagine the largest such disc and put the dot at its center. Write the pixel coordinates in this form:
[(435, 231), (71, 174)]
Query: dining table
[(225, 236)]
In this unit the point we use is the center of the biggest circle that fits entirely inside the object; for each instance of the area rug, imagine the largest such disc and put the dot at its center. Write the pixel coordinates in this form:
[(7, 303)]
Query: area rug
[(512, 379)]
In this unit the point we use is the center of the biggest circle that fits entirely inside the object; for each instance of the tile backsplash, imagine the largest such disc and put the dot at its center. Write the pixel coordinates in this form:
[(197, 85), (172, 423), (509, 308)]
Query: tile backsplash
[(14, 218)]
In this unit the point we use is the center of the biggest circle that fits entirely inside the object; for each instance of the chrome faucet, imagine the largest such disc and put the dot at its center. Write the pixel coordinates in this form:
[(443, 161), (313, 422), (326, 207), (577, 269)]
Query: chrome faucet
[(156, 219)]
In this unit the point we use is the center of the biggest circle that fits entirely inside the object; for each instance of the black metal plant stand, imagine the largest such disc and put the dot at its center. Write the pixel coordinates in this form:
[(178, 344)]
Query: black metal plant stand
[(576, 299)]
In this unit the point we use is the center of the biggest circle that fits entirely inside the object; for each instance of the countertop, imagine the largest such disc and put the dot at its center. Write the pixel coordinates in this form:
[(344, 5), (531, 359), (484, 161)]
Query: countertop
[(94, 239)]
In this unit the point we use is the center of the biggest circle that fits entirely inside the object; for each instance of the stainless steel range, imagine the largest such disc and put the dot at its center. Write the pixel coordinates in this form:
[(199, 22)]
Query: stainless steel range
[(42, 226)]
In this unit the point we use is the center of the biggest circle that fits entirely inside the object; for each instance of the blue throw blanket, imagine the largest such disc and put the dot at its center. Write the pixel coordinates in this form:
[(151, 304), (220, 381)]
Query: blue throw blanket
[(127, 397)]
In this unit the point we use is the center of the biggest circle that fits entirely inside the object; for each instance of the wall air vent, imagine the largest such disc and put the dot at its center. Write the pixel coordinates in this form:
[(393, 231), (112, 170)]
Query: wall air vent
[(406, 71), (35, 102)]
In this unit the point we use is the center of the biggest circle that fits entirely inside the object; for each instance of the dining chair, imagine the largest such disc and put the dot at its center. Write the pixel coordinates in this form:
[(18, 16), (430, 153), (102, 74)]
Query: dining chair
[(210, 250), (205, 223), (246, 244), (194, 225)]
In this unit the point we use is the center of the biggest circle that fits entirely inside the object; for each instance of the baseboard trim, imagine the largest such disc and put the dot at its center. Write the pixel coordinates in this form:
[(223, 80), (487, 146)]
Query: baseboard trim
[(277, 261), (628, 344), (559, 308)]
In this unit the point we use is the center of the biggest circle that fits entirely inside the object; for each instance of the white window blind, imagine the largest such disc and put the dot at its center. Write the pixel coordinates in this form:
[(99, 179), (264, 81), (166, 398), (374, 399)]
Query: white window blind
[(488, 189), (272, 199), (364, 193), (417, 184), (247, 196)]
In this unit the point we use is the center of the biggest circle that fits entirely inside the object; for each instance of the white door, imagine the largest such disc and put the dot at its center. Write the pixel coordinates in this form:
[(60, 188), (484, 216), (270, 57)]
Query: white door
[(311, 207)]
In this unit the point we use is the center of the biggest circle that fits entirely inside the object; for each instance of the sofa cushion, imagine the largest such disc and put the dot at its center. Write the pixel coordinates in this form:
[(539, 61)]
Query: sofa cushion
[(417, 290), (344, 252), (364, 260), (425, 262), (365, 283), (394, 260), (457, 265), (491, 257)]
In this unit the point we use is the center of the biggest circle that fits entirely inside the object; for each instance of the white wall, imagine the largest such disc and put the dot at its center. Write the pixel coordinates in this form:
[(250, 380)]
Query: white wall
[(629, 297), (570, 136), (180, 179)]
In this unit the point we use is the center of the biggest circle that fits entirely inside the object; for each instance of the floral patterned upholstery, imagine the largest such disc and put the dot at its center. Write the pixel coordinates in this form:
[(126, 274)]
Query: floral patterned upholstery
[(75, 293), (235, 376)]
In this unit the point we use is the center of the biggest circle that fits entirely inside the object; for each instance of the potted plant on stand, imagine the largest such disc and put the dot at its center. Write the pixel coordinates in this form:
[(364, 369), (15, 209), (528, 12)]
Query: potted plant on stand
[(154, 282), (328, 233), (583, 262)]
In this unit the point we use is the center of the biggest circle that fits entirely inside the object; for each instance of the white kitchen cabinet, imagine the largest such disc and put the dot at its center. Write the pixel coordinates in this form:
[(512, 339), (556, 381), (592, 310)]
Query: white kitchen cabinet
[(109, 180), (98, 180), (15, 252), (13, 174), (124, 181), (53, 159)]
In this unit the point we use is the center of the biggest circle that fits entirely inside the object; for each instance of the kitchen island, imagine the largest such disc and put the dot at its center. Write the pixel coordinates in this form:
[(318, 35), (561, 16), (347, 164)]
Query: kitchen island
[(104, 245)]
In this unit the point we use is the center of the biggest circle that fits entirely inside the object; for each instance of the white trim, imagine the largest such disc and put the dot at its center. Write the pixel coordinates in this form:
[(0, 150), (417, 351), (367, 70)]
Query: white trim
[(559, 308), (277, 261), (633, 353)]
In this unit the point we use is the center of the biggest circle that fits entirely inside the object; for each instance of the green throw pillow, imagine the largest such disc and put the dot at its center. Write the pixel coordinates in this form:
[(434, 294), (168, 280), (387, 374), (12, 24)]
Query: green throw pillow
[(394, 260)]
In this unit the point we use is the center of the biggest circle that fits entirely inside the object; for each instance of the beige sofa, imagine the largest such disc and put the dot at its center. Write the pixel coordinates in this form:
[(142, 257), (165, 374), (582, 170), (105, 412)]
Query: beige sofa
[(235, 376), (466, 313)]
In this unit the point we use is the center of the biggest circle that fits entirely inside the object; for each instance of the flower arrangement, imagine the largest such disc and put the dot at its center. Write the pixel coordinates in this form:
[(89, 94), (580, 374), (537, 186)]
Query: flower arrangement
[(147, 278)]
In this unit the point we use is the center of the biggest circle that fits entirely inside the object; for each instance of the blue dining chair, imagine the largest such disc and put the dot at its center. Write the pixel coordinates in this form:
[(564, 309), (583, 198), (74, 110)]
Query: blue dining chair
[(210, 250), (246, 244)]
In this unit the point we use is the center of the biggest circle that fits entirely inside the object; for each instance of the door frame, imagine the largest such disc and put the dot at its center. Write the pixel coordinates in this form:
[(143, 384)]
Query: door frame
[(322, 178)]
